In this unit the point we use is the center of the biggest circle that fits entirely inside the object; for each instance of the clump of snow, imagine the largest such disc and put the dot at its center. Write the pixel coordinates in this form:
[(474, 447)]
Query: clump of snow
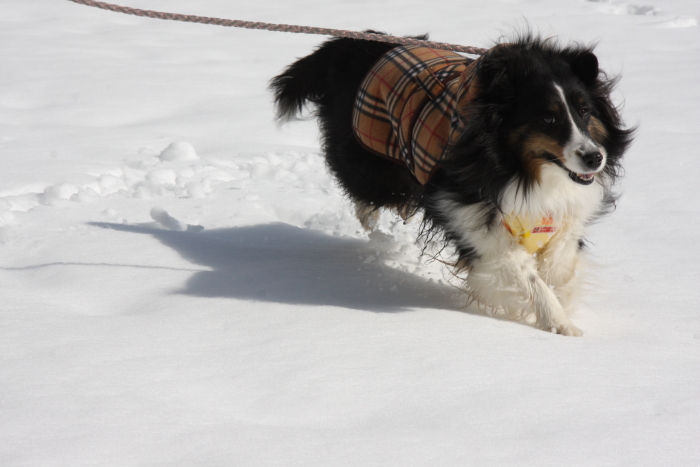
[(56, 193), (161, 216), (168, 222), (179, 151), (681, 22)]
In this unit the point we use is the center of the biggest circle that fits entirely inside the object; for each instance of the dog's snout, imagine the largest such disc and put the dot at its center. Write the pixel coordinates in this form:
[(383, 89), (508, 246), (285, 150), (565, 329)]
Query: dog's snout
[(592, 159)]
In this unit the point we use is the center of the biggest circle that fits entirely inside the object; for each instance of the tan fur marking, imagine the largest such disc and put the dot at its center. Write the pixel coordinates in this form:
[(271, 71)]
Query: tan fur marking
[(597, 130), (533, 149)]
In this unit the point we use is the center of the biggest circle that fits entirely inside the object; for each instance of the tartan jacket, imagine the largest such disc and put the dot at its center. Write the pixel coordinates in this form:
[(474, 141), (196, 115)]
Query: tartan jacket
[(412, 105)]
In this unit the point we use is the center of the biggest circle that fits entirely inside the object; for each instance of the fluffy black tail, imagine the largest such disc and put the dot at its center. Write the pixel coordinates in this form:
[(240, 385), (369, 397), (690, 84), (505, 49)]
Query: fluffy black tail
[(314, 78), (303, 81)]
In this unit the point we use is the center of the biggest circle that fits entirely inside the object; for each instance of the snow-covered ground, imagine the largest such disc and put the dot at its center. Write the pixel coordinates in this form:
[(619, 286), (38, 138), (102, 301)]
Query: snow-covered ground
[(183, 285)]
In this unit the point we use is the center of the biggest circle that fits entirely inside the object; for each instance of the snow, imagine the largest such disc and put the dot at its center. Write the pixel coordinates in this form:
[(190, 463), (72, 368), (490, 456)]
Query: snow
[(183, 284)]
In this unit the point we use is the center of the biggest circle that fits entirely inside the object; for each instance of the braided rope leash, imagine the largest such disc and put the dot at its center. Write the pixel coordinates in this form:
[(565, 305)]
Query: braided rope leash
[(280, 27)]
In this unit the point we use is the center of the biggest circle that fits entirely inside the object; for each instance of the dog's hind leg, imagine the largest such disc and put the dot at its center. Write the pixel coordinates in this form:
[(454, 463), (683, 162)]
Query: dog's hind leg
[(406, 212), (367, 215)]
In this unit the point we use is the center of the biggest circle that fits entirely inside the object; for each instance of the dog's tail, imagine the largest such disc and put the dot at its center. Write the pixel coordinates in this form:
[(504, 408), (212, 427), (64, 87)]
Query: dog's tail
[(310, 79), (303, 81)]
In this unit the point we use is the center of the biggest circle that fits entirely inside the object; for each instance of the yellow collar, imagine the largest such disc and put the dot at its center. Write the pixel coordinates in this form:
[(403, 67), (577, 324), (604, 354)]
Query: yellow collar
[(532, 233)]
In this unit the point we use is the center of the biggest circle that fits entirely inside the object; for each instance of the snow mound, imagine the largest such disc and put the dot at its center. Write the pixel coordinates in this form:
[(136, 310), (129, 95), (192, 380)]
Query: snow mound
[(179, 151), (680, 22), (168, 222)]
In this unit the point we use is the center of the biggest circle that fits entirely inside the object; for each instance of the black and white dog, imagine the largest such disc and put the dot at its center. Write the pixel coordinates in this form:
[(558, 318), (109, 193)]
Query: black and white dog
[(527, 152)]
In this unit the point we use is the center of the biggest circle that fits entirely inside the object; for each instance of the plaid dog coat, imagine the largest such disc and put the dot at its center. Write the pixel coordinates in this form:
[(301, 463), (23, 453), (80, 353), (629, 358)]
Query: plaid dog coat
[(412, 106)]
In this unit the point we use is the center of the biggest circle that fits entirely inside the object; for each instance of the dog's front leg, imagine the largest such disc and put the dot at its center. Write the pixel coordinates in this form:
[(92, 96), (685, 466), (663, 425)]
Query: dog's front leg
[(558, 265), (510, 281)]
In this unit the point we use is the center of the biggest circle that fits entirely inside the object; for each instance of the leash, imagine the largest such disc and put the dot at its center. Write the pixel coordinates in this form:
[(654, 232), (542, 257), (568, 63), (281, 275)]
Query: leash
[(280, 27)]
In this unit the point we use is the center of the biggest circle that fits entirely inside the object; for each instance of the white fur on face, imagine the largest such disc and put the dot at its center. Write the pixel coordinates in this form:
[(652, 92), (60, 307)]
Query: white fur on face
[(555, 195), (578, 143)]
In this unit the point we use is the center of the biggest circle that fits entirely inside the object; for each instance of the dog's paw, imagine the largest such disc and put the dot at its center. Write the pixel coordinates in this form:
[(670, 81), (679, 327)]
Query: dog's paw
[(566, 329)]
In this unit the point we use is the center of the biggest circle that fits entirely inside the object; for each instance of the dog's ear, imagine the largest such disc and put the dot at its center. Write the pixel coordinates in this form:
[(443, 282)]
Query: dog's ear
[(585, 66), (500, 92), (492, 69), (499, 89)]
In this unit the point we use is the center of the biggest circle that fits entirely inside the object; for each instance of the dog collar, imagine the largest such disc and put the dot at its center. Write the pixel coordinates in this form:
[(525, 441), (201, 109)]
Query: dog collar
[(532, 233)]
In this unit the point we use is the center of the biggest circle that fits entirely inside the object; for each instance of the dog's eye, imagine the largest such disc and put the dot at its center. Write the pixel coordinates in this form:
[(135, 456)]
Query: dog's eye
[(549, 120), (585, 113)]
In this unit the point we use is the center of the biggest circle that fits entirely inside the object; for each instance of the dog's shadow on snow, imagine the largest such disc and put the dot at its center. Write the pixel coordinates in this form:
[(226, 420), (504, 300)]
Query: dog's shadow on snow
[(286, 264)]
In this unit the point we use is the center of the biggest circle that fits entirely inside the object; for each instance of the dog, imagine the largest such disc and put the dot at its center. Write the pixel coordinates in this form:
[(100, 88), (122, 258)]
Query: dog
[(508, 156)]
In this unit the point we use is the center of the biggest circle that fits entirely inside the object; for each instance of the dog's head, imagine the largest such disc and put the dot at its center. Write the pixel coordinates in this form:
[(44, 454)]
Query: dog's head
[(547, 104)]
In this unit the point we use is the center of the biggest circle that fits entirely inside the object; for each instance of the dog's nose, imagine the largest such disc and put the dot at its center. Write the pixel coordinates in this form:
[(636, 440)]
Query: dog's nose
[(592, 160)]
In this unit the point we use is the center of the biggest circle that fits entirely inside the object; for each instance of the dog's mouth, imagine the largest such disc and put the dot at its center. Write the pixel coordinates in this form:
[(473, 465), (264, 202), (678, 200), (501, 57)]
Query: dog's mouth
[(581, 179)]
